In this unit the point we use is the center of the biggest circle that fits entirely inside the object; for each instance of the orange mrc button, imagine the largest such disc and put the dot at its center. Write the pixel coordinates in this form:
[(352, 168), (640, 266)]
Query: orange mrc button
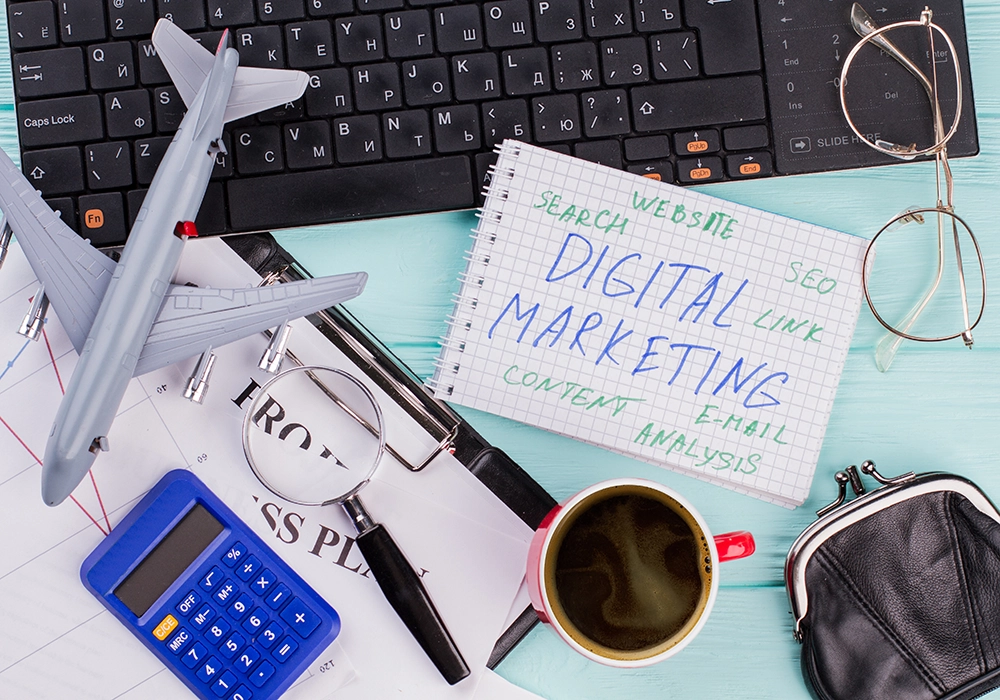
[(749, 168), (165, 627), (697, 146), (700, 173)]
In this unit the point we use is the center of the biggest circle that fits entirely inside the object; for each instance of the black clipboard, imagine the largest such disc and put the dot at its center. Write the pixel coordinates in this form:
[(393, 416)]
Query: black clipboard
[(512, 485)]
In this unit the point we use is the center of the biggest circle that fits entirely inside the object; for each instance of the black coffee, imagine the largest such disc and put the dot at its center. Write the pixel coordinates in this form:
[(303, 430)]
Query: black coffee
[(630, 572)]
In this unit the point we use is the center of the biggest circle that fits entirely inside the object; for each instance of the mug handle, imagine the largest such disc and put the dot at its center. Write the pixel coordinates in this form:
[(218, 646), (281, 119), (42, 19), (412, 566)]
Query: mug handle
[(735, 545)]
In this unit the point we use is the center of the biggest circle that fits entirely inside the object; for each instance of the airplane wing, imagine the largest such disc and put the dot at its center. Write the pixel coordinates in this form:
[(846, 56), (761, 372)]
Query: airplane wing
[(194, 318), (75, 274)]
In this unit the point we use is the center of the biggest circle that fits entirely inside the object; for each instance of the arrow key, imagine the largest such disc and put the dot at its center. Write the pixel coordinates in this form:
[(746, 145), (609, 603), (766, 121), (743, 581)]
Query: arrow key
[(54, 170), (697, 142), (659, 170), (50, 72), (744, 165), (695, 171)]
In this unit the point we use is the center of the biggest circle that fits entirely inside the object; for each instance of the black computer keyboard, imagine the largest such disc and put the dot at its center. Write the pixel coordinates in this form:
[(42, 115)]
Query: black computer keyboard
[(408, 97)]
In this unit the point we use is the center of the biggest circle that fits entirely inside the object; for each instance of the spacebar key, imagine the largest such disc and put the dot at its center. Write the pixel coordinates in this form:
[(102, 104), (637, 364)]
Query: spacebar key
[(698, 103), (338, 194)]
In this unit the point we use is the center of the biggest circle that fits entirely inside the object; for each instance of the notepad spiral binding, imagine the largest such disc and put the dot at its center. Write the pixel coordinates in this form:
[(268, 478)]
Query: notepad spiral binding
[(448, 363)]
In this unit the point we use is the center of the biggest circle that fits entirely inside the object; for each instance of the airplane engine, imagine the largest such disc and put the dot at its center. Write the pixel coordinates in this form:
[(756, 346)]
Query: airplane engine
[(197, 383)]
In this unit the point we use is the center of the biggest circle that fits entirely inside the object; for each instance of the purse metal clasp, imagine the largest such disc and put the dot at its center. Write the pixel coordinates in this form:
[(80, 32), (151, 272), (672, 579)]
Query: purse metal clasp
[(851, 476)]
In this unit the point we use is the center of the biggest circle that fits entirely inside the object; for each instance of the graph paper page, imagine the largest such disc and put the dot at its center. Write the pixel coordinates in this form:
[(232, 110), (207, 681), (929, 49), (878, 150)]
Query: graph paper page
[(675, 327)]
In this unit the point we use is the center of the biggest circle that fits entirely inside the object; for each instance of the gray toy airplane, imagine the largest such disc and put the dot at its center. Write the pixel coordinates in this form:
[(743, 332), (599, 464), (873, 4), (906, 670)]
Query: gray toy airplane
[(128, 318)]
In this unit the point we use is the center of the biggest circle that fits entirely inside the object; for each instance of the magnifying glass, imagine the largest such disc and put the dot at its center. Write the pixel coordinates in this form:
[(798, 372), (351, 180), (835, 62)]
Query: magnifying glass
[(314, 436)]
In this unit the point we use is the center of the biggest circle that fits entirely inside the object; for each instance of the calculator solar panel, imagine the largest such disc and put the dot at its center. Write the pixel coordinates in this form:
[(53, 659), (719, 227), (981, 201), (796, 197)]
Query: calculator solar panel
[(205, 594), (407, 98)]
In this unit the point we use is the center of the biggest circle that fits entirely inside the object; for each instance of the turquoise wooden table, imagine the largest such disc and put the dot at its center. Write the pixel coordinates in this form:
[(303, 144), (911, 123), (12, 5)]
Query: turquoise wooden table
[(937, 408)]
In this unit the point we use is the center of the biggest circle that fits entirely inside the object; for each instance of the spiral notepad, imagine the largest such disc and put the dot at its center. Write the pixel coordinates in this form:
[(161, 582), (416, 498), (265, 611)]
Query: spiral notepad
[(675, 327)]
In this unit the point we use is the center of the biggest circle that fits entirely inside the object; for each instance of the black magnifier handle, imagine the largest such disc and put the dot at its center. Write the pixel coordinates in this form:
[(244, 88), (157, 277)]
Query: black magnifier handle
[(405, 592)]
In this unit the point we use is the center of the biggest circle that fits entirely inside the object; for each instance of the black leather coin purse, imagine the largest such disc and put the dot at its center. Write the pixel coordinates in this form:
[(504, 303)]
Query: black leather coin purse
[(896, 593)]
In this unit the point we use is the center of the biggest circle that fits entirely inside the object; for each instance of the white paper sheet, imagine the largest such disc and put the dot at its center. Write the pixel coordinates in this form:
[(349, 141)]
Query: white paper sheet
[(59, 642)]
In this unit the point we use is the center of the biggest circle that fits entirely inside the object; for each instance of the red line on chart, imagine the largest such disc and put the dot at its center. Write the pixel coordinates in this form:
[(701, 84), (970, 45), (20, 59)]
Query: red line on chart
[(56, 368)]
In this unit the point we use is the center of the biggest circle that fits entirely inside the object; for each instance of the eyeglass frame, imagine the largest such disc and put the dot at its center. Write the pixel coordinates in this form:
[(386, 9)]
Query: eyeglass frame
[(870, 34)]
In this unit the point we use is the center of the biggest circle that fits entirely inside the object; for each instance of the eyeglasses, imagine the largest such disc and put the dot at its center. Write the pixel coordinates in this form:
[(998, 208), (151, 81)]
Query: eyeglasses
[(879, 106)]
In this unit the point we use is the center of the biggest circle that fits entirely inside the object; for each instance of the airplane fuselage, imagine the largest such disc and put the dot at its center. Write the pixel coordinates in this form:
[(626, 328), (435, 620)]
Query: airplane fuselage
[(137, 290)]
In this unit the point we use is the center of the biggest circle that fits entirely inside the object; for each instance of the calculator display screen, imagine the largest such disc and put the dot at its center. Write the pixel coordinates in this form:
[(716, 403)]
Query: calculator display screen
[(168, 560)]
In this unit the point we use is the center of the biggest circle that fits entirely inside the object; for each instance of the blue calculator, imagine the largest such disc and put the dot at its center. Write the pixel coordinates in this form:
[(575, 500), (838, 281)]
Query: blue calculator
[(207, 596)]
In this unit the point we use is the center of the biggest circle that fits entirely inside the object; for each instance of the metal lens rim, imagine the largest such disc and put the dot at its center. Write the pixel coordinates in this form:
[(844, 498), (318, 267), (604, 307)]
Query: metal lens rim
[(938, 146), (979, 257), (379, 424)]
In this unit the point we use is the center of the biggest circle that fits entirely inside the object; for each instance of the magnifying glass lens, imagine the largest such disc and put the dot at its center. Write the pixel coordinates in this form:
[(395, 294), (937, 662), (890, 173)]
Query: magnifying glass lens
[(313, 435)]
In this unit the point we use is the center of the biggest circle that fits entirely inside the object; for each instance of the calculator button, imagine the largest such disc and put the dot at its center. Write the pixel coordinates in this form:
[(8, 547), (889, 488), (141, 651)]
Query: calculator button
[(231, 646), (217, 631), (300, 618), (225, 683), (188, 603), (269, 636), (256, 620), (241, 607), (194, 655), (234, 554), (212, 579), (242, 693), (166, 626), (264, 671), (248, 568), (279, 596), (247, 659), (203, 616), (179, 641), (207, 672), (285, 648), (226, 592), (263, 582)]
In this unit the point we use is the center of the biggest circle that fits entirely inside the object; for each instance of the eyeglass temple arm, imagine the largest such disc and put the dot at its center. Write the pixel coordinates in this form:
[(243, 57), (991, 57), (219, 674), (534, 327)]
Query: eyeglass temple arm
[(864, 25)]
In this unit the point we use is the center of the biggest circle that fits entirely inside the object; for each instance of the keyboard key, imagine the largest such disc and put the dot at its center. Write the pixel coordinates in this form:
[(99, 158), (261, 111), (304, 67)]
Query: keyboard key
[(745, 165), (377, 87), (476, 76), (258, 150), (265, 580), (281, 594), (224, 683), (607, 17), (246, 660), (525, 71), (307, 145), (557, 20), (300, 618), (508, 23), (49, 72), (262, 674), (284, 649), (555, 118), (31, 25), (694, 142), (260, 47), (230, 13), (179, 641), (739, 138), (280, 10), (657, 15), (65, 207), (187, 15), (217, 632), (81, 21), (328, 8), (408, 34), (357, 139), (728, 34), (607, 153), (358, 39), (188, 603), (660, 170), (111, 66), (407, 134), (255, 620), (151, 70), (242, 693), (129, 18), (147, 157), (505, 120), (247, 568), (270, 635), (239, 609), (201, 618), (418, 186), (698, 170), (194, 655), (208, 671), (605, 113), (675, 56), (379, 5), (232, 645), (647, 147), (329, 93), (623, 61), (575, 66), (102, 218), (458, 28), (213, 578), (226, 592), (426, 82), (55, 170), (310, 44), (456, 128), (692, 103), (127, 114), (168, 109)]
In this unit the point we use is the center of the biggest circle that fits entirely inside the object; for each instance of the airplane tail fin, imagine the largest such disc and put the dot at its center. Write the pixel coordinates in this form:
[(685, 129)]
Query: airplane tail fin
[(254, 89)]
